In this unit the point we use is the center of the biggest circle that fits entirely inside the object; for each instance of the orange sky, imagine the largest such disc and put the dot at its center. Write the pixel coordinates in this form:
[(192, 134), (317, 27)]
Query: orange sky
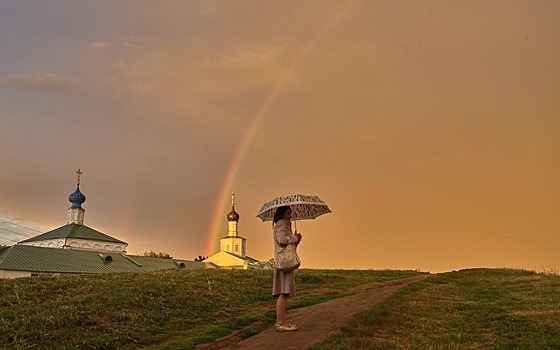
[(430, 128)]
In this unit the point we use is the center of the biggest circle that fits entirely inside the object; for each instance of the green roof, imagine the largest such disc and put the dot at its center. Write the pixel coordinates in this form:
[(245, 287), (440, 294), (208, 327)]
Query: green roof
[(74, 231), (57, 260)]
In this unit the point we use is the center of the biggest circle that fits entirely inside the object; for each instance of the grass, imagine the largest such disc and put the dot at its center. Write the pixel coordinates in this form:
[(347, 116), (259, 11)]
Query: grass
[(469, 309), (157, 310)]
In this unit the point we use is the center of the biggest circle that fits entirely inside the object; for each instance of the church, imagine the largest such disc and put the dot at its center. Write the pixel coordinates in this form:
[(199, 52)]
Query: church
[(76, 235), (233, 247), (75, 248)]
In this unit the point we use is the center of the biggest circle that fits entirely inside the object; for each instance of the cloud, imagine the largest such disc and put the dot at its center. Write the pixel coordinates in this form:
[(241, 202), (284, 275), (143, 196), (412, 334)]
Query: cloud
[(98, 45), (246, 69), (38, 81), (130, 46), (244, 58)]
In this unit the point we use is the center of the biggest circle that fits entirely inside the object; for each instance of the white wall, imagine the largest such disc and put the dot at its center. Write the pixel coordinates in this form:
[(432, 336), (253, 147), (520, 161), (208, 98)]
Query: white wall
[(20, 274), (86, 244), (51, 243), (14, 274), (80, 244)]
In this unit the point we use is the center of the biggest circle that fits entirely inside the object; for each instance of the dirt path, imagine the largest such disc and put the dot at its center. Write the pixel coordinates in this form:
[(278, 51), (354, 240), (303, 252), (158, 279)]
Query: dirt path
[(315, 322)]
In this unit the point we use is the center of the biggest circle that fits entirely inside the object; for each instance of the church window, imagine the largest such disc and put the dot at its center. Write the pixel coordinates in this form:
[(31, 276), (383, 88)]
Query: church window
[(237, 247)]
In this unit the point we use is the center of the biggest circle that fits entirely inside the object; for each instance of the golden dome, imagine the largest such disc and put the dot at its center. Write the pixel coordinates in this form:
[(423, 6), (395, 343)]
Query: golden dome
[(232, 215)]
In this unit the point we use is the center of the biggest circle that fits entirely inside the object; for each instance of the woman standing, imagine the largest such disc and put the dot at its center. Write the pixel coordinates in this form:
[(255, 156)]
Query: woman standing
[(283, 285)]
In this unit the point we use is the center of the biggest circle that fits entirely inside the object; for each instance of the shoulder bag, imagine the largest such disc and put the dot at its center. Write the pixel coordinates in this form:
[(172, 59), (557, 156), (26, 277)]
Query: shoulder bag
[(287, 258)]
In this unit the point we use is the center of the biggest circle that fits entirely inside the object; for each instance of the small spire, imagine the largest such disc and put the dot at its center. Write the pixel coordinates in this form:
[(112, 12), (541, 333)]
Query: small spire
[(79, 172), (233, 216), (77, 198)]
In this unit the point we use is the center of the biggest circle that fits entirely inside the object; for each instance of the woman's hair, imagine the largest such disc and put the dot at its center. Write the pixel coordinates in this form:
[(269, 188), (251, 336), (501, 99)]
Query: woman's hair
[(280, 211)]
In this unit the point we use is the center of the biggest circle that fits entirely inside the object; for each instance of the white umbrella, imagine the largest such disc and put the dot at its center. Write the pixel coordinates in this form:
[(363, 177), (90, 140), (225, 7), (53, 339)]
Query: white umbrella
[(303, 207)]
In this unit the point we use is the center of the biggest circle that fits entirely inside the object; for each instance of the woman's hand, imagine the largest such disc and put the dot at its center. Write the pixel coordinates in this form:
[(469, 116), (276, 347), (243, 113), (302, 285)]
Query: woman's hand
[(299, 238)]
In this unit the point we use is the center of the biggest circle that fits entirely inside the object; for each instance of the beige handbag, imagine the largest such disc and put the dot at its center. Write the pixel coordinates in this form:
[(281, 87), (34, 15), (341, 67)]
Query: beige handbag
[(287, 258)]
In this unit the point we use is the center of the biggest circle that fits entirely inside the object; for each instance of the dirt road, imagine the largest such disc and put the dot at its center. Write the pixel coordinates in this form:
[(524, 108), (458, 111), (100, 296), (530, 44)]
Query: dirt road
[(315, 322)]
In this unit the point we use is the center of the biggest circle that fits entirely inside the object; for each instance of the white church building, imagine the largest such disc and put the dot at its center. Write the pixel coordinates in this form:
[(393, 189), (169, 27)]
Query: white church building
[(76, 235), (233, 247)]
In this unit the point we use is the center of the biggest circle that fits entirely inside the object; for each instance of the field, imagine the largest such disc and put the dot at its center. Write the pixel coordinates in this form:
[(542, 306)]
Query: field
[(157, 309), (469, 309)]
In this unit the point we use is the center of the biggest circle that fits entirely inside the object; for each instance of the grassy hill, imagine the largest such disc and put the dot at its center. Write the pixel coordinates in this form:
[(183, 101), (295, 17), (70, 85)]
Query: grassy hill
[(128, 311), (470, 309)]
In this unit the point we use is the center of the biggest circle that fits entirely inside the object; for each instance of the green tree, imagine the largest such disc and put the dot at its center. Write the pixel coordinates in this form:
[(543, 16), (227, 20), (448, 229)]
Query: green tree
[(153, 254)]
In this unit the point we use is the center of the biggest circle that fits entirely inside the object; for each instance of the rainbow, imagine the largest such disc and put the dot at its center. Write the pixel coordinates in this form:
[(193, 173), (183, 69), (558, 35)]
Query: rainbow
[(227, 185), (218, 218)]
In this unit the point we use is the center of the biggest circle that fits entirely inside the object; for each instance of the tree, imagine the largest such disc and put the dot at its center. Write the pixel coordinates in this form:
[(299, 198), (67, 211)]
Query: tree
[(200, 258), (153, 254)]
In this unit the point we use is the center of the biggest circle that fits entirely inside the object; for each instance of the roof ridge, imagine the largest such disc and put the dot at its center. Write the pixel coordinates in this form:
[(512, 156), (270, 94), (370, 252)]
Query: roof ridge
[(246, 257), (6, 248), (71, 230)]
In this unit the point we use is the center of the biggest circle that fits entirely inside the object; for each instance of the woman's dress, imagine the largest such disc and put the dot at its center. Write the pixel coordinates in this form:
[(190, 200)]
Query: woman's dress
[(283, 282)]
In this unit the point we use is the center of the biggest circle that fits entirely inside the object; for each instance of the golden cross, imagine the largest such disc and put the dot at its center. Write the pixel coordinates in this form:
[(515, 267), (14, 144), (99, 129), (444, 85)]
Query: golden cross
[(232, 198)]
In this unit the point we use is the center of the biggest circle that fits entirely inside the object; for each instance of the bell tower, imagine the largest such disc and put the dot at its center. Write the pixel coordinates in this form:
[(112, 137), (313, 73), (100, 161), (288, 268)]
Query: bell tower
[(232, 218), (233, 243)]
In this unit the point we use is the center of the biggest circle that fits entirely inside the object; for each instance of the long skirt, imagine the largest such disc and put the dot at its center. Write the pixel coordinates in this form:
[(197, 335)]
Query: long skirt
[(283, 283)]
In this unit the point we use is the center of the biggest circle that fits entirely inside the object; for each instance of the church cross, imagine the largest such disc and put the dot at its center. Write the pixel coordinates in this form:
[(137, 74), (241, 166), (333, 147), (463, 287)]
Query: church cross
[(79, 172), (232, 198)]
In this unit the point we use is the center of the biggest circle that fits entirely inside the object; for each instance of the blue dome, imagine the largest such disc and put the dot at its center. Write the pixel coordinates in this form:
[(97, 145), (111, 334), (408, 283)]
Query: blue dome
[(77, 198)]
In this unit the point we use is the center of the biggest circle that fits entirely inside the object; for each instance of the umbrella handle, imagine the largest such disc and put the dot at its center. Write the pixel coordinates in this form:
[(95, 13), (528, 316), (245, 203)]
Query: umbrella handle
[(295, 225)]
